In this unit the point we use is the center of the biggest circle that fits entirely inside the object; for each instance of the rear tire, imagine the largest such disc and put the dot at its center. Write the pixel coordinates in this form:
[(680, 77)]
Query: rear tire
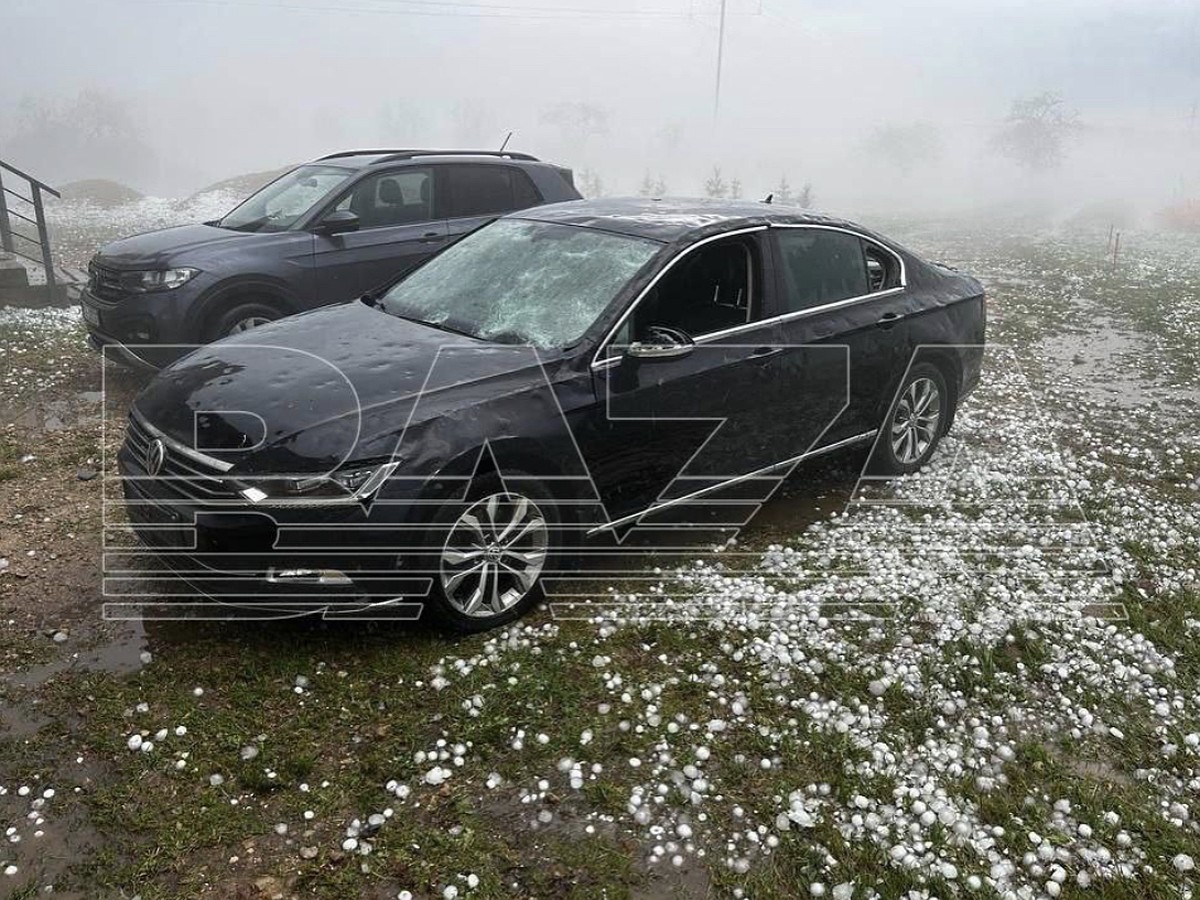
[(914, 424), (487, 553), (243, 316)]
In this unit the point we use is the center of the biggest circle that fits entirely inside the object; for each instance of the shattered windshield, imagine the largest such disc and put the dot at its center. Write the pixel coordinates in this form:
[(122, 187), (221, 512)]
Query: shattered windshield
[(283, 201), (521, 282)]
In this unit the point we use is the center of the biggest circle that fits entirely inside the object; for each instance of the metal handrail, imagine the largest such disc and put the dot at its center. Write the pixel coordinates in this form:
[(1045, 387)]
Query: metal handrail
[(30, 179), (36, 189)]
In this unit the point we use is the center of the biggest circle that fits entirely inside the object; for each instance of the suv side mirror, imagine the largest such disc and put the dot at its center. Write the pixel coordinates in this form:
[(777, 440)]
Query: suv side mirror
[(338, 222), (663, 343)]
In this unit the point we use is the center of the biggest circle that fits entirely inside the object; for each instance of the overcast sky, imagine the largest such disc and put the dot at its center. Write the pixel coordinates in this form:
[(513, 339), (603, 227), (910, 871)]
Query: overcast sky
[(221, 86)]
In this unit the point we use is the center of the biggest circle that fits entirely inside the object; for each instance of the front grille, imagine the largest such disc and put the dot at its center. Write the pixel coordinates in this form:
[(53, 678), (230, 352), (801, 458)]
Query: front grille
[(180, 475), (105, 283)]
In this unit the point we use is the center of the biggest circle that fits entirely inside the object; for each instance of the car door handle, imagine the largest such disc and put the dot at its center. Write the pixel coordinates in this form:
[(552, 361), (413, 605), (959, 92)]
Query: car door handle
[(888, 319), (430, 236), (765, 352)]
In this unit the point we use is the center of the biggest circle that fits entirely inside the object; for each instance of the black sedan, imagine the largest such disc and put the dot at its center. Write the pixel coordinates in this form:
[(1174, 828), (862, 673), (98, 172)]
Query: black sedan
[(561, 373)]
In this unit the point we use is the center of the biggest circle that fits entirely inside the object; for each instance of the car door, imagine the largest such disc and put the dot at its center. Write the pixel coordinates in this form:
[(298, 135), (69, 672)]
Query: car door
[(841, 307), (396, 231), (671, 427), (472, 194)]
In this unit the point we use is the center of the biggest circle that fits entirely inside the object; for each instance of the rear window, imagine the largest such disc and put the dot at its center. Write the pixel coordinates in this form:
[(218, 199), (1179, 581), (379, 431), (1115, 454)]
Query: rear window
[(821, 266), (485, 190)]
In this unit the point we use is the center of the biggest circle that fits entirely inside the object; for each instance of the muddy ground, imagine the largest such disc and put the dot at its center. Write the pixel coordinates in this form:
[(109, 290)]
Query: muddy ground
[(273, 744)]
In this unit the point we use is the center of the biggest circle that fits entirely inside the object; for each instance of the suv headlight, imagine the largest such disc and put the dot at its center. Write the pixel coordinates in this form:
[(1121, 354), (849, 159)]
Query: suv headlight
[(150, 281), (351, 485)]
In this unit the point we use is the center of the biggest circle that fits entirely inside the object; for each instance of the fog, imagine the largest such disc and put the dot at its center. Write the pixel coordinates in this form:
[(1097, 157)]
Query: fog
[(878, 106)]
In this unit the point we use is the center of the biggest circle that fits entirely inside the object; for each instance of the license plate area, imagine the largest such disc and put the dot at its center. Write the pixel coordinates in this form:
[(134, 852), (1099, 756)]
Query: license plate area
[(91, 315)]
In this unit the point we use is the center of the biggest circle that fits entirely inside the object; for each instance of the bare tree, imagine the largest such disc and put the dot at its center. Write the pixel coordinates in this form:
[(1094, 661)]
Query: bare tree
[(783, 193), (652, 187), (92, 135), (1036, 131), (578, 122), (474, 124), (805, 199), (906, 147), (715, 186), (590, 184), (735, 189)]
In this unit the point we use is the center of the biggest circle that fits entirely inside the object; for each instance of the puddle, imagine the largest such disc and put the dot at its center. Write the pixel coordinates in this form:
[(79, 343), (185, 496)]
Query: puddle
[(120, 655), (1103, 365)]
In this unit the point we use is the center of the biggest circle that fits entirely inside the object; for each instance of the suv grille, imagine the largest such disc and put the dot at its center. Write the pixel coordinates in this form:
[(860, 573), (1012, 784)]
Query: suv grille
[(180, 474), (104, 283)]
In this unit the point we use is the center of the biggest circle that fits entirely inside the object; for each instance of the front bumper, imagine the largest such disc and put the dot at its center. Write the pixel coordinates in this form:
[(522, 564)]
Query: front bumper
[(288, 558), (140, 330)]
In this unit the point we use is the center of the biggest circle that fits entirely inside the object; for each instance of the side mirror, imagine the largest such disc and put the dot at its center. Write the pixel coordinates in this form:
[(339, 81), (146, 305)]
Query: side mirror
[(337, 222), (664, 343)]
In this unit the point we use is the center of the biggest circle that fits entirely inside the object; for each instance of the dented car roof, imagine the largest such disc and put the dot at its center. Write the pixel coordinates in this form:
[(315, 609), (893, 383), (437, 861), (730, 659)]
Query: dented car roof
[(675, 220)]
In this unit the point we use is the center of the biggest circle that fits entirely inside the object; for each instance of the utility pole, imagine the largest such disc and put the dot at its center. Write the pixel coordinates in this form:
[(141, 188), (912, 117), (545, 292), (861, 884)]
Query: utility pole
[(720, 57)]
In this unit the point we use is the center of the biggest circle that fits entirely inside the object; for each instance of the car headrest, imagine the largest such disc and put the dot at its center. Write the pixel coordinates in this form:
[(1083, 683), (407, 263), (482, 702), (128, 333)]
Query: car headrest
[(390, 193), (425, 190)]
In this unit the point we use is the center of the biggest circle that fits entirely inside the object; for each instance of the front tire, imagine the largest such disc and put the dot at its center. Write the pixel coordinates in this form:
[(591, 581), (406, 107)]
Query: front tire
[(490, 551), (243, 316), (915, 423)]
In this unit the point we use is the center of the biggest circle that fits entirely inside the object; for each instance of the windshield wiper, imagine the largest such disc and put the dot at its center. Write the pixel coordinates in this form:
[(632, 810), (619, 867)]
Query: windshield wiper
[(440, 326)]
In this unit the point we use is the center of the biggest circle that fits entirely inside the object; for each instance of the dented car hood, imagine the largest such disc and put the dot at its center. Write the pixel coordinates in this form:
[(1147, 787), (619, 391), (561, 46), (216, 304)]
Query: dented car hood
[(317, 390)]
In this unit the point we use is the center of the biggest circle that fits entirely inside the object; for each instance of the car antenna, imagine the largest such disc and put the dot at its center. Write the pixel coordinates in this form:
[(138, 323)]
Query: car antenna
[(767, 199), (506, 140)]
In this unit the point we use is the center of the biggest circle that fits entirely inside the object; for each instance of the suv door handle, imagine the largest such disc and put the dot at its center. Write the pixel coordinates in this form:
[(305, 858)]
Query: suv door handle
[(765, 352), (888, 319), (430, 236)]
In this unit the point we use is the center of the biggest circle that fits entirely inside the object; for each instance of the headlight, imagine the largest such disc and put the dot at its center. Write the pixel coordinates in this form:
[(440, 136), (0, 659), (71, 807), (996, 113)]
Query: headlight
[(351, 485), (153, 280)]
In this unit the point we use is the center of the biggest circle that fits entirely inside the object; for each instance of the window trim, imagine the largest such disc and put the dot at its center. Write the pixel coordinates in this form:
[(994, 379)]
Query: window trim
[(447, 173), (848, 301), (600, 362), (354, 185)]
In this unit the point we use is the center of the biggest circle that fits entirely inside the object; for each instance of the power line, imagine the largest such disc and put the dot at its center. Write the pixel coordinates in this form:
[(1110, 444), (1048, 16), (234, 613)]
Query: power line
[(429, 8)]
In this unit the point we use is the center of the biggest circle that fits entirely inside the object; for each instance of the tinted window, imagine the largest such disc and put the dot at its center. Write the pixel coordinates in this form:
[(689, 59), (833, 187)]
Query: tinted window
[(484, 190), (709, 290), (821, 266), (391, 198), (883, 272)]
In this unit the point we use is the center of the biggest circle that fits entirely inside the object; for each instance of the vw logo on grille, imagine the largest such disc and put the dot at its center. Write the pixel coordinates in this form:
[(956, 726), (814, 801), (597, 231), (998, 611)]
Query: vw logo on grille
[(156, 455)]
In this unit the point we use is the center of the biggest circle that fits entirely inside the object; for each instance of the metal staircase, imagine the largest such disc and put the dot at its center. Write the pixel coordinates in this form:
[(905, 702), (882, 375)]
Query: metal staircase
[(24, 238)]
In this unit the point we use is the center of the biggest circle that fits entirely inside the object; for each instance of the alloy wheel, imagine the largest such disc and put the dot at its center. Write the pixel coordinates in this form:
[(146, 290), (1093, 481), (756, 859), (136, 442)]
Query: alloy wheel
[(916, 421), (493, 555), (247, 323)]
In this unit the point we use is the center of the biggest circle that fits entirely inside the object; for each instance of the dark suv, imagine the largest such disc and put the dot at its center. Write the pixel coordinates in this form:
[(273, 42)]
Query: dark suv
[(567, 371), (325, 232)]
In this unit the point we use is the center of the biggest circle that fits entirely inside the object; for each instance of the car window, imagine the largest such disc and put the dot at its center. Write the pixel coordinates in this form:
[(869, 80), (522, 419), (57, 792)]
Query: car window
[(820, 266), (709, 289), (484, 190), (402, 197), (521, 282), (883, 270), (282, 202)]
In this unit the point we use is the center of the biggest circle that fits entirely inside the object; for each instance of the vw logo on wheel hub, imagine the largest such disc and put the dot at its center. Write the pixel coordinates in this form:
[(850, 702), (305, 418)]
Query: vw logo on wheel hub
[(156, 455)]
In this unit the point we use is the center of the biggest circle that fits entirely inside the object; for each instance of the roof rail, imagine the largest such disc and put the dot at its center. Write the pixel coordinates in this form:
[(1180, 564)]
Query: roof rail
[(413, 154), (364, 153), (394, 155)]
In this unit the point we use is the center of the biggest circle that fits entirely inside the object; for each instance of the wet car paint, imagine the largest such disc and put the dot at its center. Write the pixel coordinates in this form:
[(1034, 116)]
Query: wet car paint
[(352, 384)]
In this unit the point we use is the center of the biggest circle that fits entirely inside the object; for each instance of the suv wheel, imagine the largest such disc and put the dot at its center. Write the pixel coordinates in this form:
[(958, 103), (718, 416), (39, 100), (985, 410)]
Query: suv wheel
[(243, 317), (915, 424), (491, 552)]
